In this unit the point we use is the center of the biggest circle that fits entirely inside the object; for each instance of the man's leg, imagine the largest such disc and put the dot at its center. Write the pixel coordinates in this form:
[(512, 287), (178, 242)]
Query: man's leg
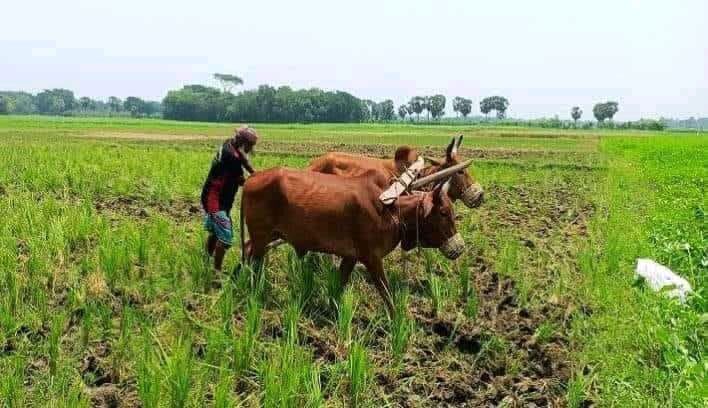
[(211, 244), (219, 251)]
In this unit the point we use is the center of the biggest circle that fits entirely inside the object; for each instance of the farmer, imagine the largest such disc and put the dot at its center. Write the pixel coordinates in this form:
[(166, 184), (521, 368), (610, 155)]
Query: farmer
[(225, 176)]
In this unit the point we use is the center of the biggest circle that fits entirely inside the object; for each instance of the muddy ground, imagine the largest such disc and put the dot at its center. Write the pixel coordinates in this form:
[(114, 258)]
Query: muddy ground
[(495, 359)]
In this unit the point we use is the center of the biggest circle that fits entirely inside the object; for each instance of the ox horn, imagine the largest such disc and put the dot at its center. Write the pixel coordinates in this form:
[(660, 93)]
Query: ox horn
[(439, 175)]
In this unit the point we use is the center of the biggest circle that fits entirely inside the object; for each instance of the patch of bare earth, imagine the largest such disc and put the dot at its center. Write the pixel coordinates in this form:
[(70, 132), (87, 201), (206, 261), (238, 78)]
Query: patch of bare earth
[(498, 358), (180, 210)]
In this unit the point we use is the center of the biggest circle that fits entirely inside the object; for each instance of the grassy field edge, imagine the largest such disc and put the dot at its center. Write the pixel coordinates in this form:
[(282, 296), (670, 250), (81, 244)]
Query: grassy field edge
[(636, 347)]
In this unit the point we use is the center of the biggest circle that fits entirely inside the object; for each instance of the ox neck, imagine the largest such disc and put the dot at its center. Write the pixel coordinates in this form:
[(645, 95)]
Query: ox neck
[(408, 208)]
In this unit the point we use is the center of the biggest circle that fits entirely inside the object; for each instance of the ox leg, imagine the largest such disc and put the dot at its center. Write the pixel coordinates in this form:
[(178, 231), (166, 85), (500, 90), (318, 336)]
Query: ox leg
[(378, 276), (345, 270)]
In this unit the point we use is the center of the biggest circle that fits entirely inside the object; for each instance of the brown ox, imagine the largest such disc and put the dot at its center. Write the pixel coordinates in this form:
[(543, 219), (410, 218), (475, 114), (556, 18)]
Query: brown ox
[(463, 186), (343, 216)]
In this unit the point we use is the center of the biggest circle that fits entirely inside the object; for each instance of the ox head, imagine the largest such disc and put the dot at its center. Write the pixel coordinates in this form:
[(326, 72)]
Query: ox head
[(436, 224), (463, 186)]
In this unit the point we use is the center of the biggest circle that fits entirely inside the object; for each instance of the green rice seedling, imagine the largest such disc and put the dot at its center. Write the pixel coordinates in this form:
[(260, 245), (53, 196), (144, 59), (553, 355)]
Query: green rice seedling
[(142, 250), (200, 272), (149, 376), (429, 261), (492, 348), (508, 258), (401, 326), (471, 305), (105, 315), (10, 291), (251, 281), (464, 281), (333, 285), (292, 317), (244, 344), (226, 305), (290, 379), (178, 373), (121, 346), (345, 314), (314, 387), (87, 323), (8, 322), (115, 263), (301, 277), (436, 292), (576, 393), (223, 397), (11, 391), (218, 346), (54, 342), (544, 332), (359, 374)]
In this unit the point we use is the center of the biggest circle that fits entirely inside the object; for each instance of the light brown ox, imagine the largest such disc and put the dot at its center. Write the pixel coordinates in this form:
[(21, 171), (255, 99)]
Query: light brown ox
[(463, 186), (343, 216)]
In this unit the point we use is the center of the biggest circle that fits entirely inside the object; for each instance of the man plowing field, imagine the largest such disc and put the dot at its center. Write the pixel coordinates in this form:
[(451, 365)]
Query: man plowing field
[(225, 176)]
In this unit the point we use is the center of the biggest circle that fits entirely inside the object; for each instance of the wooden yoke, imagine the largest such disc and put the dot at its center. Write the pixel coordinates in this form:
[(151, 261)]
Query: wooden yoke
[(400, 185)]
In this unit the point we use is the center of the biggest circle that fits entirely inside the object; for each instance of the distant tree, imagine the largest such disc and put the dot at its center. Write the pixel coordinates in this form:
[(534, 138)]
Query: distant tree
[(605, 110), (416, 105), (386, 110), (115, 104), (21, 103), (4, 105), (55, 101), (228, 81), (426, 105), (86, 103), (134, 105), (466, 107), (436, 105), (402, 111), (456, 105), (372, 107), (576, 113), (494, 103), (462, 105), (485, 106)]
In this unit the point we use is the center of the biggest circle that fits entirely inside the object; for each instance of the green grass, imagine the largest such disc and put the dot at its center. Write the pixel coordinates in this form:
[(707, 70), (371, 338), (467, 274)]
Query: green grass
[(103, 282)]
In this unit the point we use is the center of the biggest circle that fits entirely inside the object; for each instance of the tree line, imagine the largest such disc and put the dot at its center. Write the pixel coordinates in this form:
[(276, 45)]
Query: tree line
[(61, 101), (285, 105)]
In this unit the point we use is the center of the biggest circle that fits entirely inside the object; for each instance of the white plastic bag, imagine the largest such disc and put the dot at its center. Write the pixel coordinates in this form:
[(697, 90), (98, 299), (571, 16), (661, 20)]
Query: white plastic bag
[(658, 276)]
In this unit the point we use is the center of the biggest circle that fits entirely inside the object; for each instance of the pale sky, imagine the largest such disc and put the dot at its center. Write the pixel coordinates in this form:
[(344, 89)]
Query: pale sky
[(544, 55)]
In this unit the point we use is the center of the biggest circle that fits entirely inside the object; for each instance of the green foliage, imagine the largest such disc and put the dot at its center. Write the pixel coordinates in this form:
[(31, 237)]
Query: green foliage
[(345, 314), (603, 111), (359, 374), (178, 373), (416, 105), (265, 104), (436, 105), (245, 342), (401, 326), (228, 81), (576, 113), (402, 111), (494, 103), (462, 105)]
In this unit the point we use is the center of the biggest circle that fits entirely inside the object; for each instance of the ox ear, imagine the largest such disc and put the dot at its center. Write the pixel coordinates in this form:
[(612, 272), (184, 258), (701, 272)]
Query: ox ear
[(459, 142), (451, 150)]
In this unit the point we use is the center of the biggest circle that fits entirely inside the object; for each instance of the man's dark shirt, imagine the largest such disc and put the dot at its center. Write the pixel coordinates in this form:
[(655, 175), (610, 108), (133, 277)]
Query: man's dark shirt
[(225, 175)]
